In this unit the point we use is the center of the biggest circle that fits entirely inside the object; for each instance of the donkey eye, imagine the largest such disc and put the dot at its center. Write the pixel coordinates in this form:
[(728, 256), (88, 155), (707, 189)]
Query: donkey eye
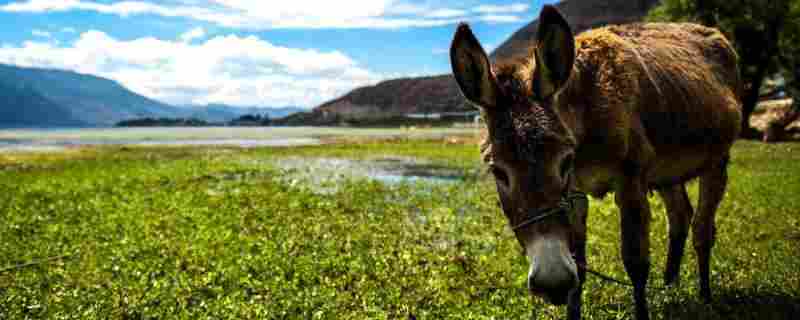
[(500, 175), (567, 164)]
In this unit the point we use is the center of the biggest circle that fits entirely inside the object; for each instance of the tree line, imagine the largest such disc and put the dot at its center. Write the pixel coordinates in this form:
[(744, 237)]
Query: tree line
[(245, 120)]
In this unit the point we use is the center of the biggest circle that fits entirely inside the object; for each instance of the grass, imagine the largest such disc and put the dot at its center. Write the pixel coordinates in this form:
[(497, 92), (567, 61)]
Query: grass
[(221, 233)]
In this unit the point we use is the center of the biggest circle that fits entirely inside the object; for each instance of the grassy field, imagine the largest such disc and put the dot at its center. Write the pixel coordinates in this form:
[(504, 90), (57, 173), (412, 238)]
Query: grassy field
[(223, 233)]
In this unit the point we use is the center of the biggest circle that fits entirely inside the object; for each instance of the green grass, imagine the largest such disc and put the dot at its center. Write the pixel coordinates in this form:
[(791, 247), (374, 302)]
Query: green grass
[(220, 233)]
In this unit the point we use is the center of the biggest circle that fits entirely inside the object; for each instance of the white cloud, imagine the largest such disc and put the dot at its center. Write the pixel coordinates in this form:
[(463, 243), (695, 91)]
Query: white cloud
[(496, 9), (491, 46), (499, 18), (195, 33), (254, 14), (446, 13), (438, 51), (41, 33), (224, 69), (68, 30)]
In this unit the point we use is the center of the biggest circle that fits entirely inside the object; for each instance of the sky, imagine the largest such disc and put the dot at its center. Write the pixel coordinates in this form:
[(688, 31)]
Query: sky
[(263, 53)]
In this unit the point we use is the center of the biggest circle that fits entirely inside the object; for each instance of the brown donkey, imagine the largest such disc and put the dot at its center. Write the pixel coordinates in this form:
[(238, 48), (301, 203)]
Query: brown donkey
[(623, 109)]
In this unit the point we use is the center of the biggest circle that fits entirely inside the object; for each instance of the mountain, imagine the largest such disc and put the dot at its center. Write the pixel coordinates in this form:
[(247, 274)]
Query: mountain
[(33, 97), (92, 100), (21, 106), (397, 97), (224, 113), (441, 93), (581, 15)]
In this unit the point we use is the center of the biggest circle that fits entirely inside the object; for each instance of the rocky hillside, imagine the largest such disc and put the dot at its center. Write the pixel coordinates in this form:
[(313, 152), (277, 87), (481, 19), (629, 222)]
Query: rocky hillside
[(581, 15), (441, 93)]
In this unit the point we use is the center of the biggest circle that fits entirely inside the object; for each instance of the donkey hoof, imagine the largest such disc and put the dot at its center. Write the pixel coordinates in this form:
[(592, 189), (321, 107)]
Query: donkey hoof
[(705, 294)]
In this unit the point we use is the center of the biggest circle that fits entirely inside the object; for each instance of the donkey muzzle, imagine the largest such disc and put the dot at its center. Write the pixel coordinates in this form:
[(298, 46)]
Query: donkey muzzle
[(553, 273)]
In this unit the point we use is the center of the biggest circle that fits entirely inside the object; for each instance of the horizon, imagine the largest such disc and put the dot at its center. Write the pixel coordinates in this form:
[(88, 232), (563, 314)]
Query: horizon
[(236, 53)]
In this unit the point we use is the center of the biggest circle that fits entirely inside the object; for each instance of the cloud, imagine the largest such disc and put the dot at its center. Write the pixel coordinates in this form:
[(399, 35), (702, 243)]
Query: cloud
[(438, 51), (195, 33), (41, 33), (68, 30), (224, 69), (499, 18), (497, 9), (253, 14), (446, 13)]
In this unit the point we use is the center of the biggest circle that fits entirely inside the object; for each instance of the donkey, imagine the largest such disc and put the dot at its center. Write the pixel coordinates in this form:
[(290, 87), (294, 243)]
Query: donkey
[(623, 109)]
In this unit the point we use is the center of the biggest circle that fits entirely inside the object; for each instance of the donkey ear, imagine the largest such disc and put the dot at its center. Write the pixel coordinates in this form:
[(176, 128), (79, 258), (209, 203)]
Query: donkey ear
[(471, 68), (555, 53)]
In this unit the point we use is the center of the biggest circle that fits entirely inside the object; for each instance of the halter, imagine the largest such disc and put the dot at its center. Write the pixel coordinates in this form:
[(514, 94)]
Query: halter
[(565, 205)]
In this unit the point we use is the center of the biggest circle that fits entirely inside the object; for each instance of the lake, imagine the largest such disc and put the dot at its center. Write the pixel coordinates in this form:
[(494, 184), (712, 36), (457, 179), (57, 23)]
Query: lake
[(26, 140)]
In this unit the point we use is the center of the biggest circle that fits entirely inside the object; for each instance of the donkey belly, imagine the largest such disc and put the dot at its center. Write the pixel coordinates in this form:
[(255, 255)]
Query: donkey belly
[(677, 165), (596, 179)]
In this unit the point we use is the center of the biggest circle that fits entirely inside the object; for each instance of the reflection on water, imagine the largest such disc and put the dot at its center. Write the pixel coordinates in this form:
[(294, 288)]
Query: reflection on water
[(58, 145), (247, 143), (324, 172), (59, 139)]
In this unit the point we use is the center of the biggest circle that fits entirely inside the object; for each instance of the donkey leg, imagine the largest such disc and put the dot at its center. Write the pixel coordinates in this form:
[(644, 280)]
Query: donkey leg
[(679, 211), (579, 240), (712, 189), (635, 226)]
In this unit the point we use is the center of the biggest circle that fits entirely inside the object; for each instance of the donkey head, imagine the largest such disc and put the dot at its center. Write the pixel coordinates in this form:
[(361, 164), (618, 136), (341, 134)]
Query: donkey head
[(529, 148)]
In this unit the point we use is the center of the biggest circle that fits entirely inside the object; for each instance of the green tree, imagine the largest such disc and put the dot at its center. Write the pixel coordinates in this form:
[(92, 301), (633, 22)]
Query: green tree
[(764, 32)]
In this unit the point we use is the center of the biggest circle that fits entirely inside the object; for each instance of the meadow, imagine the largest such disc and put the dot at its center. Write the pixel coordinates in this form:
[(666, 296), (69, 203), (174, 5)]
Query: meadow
[(126, 232)]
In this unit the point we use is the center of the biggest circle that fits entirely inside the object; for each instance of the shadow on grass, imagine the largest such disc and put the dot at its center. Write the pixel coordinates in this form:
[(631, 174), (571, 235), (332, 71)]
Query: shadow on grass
[(736, 304)]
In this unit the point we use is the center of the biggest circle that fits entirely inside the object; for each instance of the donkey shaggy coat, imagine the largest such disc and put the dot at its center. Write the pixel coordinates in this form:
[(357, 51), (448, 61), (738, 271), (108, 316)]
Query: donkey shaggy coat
[(624, 109)]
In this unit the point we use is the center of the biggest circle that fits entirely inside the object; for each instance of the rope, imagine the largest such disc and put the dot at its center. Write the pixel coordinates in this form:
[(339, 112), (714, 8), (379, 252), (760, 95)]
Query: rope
[(565, 205), (611, 279)]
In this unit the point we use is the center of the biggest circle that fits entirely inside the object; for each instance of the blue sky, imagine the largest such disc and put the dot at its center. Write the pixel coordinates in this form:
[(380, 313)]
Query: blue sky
[(249, 52)]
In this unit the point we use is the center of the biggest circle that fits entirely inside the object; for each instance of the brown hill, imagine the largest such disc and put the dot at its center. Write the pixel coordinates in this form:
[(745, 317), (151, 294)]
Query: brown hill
[(581, 15), (393, 98), (397, 97)]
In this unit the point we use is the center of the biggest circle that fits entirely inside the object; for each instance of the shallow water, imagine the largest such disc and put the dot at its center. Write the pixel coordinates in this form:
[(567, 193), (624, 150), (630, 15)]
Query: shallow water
[(323, 173), (60, 145), (59, 139)]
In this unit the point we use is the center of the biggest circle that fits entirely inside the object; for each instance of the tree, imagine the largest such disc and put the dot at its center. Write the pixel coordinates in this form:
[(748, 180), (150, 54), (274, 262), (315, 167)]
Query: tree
[(764, 33)]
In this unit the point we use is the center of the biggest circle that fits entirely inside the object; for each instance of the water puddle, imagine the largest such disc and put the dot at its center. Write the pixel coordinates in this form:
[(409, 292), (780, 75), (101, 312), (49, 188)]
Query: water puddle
[(390, 170), (10, 145)]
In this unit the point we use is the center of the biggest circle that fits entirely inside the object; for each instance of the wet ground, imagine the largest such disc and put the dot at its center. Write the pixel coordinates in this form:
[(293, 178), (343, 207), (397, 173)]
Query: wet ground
[(59, 145), (48, 140), (325, 172)]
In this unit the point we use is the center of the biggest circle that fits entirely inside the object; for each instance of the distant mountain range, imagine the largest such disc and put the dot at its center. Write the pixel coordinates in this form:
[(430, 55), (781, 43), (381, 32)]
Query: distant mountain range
[(441, 93), (32, 97), (224, 113)]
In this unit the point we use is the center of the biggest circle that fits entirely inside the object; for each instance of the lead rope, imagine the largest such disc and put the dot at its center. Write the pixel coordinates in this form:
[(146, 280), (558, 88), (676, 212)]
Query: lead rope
[(611, 279), (566, 204)]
